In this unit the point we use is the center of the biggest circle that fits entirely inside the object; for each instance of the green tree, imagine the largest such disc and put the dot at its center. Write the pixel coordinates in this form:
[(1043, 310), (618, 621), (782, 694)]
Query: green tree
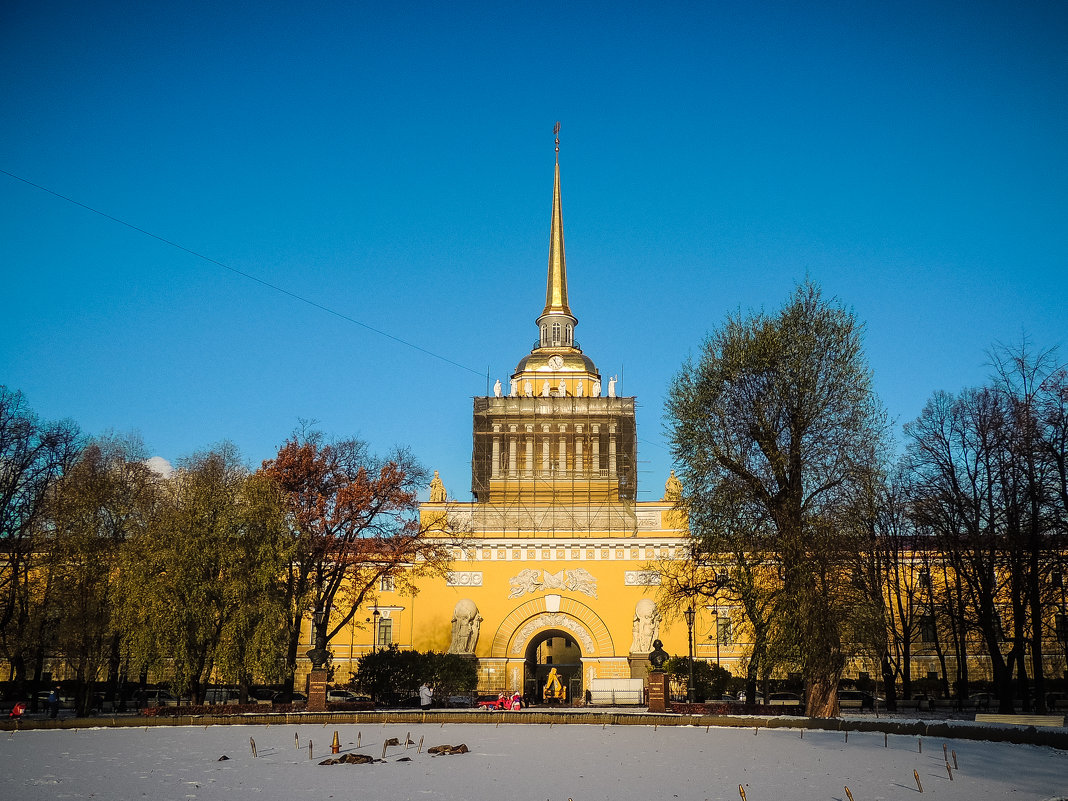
[(104, 499), (779, 417), (201, 586)]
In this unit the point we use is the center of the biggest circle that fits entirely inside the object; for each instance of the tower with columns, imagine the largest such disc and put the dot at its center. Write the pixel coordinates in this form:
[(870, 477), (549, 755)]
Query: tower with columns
[(557, 567)]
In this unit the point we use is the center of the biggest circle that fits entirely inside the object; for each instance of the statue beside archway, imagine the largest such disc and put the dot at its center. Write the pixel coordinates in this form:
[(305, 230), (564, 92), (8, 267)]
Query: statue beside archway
[(466, 622), (646, 626)]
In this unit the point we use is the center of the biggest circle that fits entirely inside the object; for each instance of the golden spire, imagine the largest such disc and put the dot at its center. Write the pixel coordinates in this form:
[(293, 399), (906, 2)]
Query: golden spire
[(556, 287)]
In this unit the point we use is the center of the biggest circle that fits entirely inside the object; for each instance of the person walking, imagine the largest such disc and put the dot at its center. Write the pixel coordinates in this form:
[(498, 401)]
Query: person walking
[(53, 703), (426, 693)]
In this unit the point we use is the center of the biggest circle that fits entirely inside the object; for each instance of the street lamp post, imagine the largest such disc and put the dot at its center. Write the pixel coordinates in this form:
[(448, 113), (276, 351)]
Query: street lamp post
[(374, 630), (689, 613), (718, 638)]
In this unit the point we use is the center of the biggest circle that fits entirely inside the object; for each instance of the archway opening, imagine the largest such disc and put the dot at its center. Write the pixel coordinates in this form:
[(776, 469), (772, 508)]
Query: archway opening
[(550, 649)]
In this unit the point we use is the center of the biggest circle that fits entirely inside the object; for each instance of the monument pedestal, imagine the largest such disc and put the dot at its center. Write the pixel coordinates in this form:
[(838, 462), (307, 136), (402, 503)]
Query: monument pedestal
[(317, 690), (639, 665), (657, 691)]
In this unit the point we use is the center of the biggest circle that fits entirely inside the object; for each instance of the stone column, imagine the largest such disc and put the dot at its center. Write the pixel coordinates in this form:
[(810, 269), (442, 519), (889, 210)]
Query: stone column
[(545, 450), (530, 450), (511, 451), (495, 465), (563, 448), (596, 457), (579, 466), (611, 451)]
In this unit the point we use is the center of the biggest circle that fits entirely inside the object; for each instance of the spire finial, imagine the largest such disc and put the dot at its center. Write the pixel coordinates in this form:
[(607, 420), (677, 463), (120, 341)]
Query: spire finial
[(556, 133)]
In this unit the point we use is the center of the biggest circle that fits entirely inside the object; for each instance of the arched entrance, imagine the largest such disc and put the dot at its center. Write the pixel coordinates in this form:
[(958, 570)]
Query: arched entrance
[(553, 648), (580, 646)]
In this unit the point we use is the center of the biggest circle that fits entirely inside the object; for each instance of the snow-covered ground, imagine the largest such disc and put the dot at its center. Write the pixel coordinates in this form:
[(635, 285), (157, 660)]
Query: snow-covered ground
[(515, 763)]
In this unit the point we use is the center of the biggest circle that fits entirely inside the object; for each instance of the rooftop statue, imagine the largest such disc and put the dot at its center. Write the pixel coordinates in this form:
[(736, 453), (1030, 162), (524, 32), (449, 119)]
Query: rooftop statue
[(437, 489), (673, 489)]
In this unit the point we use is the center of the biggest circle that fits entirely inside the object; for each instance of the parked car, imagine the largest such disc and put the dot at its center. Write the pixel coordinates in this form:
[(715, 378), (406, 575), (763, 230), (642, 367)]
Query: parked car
[(491, 702), (340, 696), (286, 697), (154, 698), (221, 696), (460, 701), (759, 698), (261, 695)]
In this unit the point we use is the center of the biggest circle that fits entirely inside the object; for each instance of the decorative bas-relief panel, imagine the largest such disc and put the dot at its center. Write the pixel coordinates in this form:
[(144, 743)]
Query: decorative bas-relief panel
[(641, 578), (529, 580), (647, 520), (555, 620), (468, 578)]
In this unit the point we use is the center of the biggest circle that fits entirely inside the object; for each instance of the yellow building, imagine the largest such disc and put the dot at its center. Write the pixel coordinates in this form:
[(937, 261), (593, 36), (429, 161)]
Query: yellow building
[(555, 573)]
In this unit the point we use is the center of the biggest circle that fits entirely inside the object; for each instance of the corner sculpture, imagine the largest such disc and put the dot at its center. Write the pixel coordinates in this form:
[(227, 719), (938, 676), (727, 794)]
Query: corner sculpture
[(646, 626), (437, 489), (466, 622)]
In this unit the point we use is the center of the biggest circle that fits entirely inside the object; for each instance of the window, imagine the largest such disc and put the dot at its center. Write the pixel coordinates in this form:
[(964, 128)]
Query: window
[(544, 334), (385, 631), (386, 584), (568, 329), (928, 631)]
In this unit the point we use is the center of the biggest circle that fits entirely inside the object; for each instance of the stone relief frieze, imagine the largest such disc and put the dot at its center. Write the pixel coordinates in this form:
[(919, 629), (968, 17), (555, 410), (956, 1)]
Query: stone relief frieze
[(529, 580), (464, 578), (641, 578), (554, 620), (648, 520)]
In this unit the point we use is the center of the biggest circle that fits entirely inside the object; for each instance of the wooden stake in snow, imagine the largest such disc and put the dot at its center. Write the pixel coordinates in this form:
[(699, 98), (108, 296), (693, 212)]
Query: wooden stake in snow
[(916, 776), (252, 745), (741, 792), (296, 741), (335, 746), (849, 795), (847, 735), (886, 740), (949, 770), (954, 760), (358, 735), (919, 742), (383, 750), (802, 734), (310, 749), (420, 745), (945, 752), (407, 740)]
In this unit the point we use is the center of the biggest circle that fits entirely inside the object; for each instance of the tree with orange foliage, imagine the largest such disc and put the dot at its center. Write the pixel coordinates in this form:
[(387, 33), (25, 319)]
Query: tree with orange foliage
[(356, 518)]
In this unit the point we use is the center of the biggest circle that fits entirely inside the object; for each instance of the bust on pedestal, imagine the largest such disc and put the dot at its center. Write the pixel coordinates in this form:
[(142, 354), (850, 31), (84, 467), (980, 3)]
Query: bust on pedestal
[(657, 678), (318, 677)]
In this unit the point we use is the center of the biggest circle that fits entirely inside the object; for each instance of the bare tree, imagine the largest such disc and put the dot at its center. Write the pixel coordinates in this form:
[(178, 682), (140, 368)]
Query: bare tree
[(33, 454)]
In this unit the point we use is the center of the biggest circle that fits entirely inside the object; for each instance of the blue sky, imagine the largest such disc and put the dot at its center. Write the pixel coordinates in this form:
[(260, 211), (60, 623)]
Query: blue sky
[(393, 162)]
